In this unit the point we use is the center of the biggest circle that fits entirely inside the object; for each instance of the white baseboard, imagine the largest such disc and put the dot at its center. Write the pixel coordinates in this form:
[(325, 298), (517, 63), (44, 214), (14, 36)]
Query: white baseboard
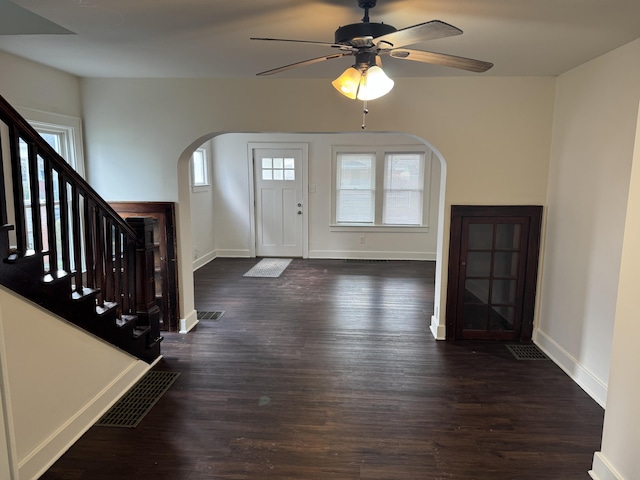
[(203, 260), (229, 253), (602, 469), (439, 331), (45, 455), (371, 255), (188, 322), (572, 367)]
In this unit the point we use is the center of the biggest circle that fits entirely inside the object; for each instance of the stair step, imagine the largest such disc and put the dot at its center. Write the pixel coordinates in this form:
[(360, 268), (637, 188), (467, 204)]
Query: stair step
[(85, 293), (107, 307), (141, 330), (126, 320)]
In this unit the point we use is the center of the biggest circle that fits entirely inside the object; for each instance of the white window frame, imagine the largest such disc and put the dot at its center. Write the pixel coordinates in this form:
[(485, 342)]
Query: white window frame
[(338, 182), (206, 184), (67, 127), (381, 151)]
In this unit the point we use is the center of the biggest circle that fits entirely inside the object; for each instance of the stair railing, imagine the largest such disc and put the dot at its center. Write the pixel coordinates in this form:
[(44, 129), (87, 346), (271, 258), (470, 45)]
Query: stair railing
[(57, 216)]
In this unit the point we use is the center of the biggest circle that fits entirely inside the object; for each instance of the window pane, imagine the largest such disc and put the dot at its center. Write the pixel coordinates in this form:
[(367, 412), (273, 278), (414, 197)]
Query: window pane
[(266, 163), (289, 163), (402, 208), (355, 206), (356, 171), (404, 185), (403, 171), (278, 174), (267, 175), (199, 167), (278, 163), (289, 174)]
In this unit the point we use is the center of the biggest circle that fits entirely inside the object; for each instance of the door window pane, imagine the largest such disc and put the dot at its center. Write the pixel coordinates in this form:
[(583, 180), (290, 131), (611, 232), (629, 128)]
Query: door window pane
[(504, 291), (505, 264), (478, 264), (480, 236), (501, 318), (508, 236), (476, 291), (475, 317)]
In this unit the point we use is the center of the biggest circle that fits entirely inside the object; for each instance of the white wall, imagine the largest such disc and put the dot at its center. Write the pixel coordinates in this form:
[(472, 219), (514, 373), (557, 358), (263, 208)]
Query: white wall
[(593, 137), (494, 134), (232, 199), (58, 381), (203, 231), (32, 85), (618, 458)]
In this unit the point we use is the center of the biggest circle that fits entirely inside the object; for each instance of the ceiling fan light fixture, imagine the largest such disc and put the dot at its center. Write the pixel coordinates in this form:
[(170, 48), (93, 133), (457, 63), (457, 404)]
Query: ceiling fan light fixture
[(348, 83), (374, 84), (369, 84)]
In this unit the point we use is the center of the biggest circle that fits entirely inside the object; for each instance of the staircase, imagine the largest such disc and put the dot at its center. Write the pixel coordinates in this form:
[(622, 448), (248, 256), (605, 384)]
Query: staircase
[(63, 247)]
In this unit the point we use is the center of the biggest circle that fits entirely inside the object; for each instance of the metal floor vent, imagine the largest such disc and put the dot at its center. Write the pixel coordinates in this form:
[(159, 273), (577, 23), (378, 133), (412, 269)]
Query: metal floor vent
[(213, 316), (527, 352), (136, 403)]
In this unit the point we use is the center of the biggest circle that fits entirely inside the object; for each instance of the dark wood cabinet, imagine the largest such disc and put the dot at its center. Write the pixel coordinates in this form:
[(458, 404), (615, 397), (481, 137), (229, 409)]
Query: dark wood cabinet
[(493, 267), (165, 259)]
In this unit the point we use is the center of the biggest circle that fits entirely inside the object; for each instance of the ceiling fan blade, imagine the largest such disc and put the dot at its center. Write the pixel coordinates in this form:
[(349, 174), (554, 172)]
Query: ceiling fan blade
[(417, 33), (442, 59), (326, 44), (311, 61)]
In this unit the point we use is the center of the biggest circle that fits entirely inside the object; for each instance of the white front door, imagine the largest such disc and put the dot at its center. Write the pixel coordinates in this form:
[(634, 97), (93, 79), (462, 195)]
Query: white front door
[(279, 201)]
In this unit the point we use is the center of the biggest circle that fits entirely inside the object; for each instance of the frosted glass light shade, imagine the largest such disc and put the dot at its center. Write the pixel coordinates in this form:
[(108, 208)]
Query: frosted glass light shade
[(374, 84), (348, 83), (371, 84)]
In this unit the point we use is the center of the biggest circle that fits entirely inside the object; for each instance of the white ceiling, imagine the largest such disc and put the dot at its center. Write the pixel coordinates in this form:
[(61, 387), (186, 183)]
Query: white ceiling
[(210, 38)]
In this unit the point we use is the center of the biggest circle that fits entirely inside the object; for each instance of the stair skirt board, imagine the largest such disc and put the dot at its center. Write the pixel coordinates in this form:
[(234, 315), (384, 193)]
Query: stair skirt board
[(40, 460), (129, 411)]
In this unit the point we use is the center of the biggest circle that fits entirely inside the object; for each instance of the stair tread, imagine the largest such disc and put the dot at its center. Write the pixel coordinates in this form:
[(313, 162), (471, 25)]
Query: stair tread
[(86, 292)]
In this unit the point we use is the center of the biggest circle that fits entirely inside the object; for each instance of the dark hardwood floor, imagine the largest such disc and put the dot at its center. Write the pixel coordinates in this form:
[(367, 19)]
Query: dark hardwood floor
[(331, 372)]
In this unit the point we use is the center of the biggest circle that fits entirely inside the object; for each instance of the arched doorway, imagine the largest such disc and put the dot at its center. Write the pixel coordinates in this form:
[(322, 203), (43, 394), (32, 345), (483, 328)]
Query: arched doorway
[(231, 157)]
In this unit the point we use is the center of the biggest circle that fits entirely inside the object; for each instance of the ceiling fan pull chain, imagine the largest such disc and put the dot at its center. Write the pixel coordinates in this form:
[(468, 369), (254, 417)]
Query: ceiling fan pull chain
[(365, 110)]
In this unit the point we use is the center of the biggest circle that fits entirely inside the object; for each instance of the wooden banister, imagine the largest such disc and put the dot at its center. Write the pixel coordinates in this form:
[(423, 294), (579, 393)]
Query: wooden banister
[(61, 222)]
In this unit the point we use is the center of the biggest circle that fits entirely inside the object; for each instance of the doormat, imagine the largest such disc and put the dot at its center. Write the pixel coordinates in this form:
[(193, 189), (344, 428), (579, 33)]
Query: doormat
[(129, 411), (213, 316), (527, 352), (269, 268)]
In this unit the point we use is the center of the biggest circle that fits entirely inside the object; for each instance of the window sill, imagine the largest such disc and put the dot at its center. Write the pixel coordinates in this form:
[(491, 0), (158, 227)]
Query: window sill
[(200, 188), (359, 227)]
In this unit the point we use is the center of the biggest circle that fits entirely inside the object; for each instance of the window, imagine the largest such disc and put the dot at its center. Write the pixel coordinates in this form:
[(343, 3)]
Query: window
[(356, 191), (381, 186), (62, 132), (403, 189), (199, 168), (278, 168)]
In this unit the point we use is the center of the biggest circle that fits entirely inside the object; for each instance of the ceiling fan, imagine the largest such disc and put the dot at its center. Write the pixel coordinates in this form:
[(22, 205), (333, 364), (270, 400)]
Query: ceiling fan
[(368, 41)]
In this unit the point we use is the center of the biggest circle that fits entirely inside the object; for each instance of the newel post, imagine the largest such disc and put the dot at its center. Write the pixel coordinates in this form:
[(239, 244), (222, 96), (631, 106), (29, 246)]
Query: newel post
[(147, 310)]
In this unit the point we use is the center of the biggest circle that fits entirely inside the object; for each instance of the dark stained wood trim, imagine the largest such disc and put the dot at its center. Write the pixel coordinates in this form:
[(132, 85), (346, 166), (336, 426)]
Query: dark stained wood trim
[(458, 213)]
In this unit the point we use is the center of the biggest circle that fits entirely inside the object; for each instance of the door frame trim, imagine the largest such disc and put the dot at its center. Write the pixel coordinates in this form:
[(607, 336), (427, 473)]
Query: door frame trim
[(251, 147), (458, 212)]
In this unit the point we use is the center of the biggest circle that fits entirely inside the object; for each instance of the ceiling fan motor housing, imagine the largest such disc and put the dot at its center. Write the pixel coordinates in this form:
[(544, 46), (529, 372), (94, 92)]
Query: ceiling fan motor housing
[(356, 30)]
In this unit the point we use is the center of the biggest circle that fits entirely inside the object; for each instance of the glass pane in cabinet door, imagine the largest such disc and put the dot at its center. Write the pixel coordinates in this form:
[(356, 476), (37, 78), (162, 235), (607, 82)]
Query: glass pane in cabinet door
[(475, 317), (476, 291), (504, 291), (505, 264), (508, 236), (480, 236), (478, 264), (501, 318)]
